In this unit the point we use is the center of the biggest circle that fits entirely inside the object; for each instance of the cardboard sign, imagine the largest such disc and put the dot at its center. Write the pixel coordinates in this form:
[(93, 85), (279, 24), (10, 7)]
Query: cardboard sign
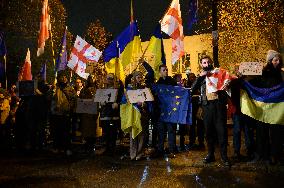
[(251, 68), (105, 95), (26, 88), (86, 106), (139, 95)]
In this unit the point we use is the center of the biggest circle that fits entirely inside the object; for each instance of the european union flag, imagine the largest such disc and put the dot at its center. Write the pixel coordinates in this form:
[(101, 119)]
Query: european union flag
[(175, 104), (61, 62)]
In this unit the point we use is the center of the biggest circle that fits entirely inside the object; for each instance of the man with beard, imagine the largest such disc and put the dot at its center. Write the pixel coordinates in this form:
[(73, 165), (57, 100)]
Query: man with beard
[(214, 108)]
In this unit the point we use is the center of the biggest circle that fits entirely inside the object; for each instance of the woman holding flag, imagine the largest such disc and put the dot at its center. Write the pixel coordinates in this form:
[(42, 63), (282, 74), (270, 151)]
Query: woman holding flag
[(137, 144), (267, 90)]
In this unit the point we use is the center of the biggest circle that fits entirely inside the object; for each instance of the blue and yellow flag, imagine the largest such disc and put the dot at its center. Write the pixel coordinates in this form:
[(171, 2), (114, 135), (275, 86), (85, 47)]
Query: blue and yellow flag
[(263, 104), (175, 104), (156, 50), (123, 53), (130, 116)]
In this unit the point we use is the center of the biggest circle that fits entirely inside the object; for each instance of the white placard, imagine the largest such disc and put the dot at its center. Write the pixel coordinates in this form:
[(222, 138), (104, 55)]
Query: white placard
[(105, 95), (139, 95), (251, 68), (86, 106)]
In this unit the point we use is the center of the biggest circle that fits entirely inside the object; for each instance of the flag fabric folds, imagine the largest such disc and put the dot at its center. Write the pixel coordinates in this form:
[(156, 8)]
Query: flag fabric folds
[(61, 62), (156, 51), (130, 116), (171, 24), (263, 104), (26, 71), (218, 79), (123, 53), (44, 28), (43, 72), (175, 104), (81, 54)]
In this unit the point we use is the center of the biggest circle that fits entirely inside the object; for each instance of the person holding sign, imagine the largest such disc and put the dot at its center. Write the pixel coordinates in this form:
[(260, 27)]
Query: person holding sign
[(88, 121), (266, 93), (241, 122), (137, 144), (109, 115)]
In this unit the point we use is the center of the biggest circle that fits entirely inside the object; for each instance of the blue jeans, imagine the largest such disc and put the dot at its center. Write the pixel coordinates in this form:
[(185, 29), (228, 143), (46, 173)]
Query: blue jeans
[(241, 122), (171, 128)]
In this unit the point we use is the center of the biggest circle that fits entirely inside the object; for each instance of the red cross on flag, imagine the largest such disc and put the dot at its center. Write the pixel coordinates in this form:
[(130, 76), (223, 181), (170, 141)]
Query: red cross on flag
[(81, 54), (44, 28), (218, 79), (171, 24)]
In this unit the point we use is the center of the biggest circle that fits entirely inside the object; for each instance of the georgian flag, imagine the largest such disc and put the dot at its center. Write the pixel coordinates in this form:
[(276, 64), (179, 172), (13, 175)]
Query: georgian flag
[(218, 79), (81, 54), (44, 28), (171, 24), (26, 71)]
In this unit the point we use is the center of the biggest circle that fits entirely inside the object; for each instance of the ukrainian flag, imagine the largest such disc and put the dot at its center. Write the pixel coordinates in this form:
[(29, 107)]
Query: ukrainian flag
[(263, 104), (156, 50), (130, 118), (122, 55)]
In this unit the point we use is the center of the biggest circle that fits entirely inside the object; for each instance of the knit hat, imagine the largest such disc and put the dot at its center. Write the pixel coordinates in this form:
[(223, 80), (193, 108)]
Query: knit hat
[(271, 54)]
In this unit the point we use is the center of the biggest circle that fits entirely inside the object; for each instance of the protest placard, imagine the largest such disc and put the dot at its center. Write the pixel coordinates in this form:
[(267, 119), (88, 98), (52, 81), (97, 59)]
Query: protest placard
[(105, 95), (86, 106), (251, 68), (139, 95)]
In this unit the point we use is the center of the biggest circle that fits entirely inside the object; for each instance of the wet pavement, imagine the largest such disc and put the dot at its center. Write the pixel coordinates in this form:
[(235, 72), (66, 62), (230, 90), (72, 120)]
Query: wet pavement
[(45, 169)]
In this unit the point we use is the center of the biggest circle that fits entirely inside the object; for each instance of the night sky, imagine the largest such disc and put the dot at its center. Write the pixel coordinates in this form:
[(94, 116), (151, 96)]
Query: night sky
[(115, 14)]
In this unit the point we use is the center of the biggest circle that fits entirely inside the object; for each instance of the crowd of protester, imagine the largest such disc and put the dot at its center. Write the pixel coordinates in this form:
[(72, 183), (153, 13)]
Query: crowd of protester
[(26, 120)]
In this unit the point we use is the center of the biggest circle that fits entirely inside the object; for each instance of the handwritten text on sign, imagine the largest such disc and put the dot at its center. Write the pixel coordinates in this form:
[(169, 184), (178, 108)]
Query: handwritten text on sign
[(251, 68), (105, 95), (139, 95)]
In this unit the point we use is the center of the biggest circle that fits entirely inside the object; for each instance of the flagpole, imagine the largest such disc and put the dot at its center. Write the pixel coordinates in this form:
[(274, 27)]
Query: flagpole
[(131, 12), (52, 50), (71, 75), (117, 61), (5, 64)]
